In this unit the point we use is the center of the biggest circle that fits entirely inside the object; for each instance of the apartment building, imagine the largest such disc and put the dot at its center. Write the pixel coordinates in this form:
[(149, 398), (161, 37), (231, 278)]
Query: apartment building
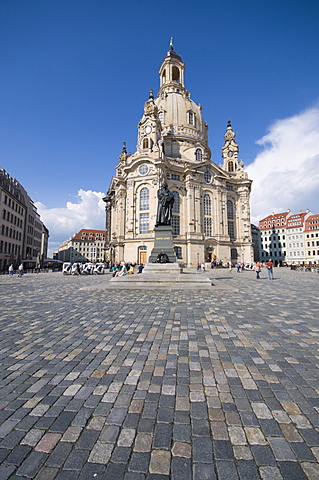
[(311, 238), (273, 241), (291, 238), (295, 234), (87, 245), (21, 228)]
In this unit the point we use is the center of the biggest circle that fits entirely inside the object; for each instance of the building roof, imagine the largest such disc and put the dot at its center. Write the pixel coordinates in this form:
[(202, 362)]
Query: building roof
[(89, 235), (274, 220), (312, 222), (297, 219)]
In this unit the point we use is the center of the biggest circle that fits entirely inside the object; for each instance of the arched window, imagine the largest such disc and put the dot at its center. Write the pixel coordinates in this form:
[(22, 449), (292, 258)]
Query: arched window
[(164, 77), (207, 205), (191, 118), (144, 199), (230, 209), (145, 142), (231, 166), (176, 205), (144, 207), (199, 155), (230, 218), (175, 74), (176, 214), (208, 222)]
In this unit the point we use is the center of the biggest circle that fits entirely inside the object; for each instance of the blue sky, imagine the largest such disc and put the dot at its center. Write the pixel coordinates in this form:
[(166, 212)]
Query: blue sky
[(74, 75)]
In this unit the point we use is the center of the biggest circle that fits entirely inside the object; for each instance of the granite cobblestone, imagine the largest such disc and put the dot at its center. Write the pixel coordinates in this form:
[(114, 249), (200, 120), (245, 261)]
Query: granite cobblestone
[(159, 385)]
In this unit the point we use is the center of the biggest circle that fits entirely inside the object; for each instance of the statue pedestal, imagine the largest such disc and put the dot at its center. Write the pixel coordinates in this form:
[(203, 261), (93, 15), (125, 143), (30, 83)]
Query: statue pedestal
[(163, 244)]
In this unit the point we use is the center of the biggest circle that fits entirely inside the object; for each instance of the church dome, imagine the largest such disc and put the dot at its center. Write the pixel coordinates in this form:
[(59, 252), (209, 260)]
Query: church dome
[(172, 123), (180, 116)]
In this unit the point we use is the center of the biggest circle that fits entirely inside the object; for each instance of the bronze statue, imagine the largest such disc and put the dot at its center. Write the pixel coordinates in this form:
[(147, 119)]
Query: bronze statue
[(164, 206)]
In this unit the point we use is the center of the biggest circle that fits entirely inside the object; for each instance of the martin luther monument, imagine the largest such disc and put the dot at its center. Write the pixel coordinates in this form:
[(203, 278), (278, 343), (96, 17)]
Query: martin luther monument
[(165, 205), (163, 251)]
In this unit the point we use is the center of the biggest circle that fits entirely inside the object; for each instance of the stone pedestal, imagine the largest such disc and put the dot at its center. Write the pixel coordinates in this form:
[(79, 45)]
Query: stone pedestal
[(163, 243), (162, 276)]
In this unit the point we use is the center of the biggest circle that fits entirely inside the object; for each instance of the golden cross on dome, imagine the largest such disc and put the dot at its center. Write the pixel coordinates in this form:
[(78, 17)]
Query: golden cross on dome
[(171, 43)]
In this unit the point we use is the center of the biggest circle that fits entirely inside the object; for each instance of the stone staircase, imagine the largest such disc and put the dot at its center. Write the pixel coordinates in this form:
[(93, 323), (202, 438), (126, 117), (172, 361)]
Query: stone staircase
[(165, 276)]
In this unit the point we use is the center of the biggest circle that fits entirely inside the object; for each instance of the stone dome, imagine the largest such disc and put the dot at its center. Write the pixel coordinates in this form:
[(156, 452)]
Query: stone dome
[(180, 116)]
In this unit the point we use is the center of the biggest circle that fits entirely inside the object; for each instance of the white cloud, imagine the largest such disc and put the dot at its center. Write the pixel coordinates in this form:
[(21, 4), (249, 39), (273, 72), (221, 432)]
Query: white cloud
[(87, 212), (286, 173)]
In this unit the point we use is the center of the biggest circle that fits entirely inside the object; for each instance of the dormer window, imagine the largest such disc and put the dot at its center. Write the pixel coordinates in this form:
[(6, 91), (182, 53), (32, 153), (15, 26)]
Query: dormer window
[(161, 116), (145, 143), (199, 155), (231, 167), (192, 118)]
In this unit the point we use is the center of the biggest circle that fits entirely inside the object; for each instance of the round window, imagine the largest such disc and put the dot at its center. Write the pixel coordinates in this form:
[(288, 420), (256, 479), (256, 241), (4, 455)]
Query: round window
[(207, 176), (143, 170)]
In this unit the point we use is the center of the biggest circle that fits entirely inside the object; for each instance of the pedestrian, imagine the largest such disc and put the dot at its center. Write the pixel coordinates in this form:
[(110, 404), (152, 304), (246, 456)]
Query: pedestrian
[(257, 268), (130, 271), (11, 270), (269, 266), (238, 266), (122, 271), (202, 267), (230, 266), (20, 270)]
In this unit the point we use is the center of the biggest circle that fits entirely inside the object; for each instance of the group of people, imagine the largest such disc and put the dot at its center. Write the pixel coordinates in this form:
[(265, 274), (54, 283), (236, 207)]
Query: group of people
[(20, 270), (257, 268), (122, 268), (269, 265), (200, 267)]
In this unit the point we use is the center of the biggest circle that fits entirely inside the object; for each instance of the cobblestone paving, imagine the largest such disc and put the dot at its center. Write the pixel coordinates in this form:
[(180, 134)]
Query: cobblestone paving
[(156, 385)]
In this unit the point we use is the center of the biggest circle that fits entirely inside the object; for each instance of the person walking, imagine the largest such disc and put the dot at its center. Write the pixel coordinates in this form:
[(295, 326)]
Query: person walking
[(269, 266), (11, 270), (257, 268), (20, 270)]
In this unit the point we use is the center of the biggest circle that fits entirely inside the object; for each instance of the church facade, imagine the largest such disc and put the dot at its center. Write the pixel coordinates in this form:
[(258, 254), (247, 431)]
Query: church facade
[(211, 212)]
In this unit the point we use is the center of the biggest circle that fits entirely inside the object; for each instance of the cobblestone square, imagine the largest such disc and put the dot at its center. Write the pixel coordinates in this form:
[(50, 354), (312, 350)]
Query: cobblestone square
[(110, 384)]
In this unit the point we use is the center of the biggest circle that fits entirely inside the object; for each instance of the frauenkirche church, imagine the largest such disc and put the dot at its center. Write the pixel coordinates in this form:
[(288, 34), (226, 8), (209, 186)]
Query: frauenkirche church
[(211, 212)]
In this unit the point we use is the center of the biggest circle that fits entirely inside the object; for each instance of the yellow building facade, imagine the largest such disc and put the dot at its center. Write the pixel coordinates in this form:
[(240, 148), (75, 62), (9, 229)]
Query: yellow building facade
[(211, 213)]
